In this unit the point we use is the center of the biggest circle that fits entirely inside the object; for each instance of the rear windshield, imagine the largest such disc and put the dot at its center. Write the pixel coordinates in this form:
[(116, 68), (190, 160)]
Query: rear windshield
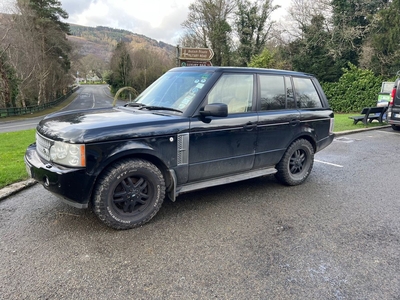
[(387, 87)]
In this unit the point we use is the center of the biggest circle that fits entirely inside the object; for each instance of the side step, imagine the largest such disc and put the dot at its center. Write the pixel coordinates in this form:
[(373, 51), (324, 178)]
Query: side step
[(224, 180)]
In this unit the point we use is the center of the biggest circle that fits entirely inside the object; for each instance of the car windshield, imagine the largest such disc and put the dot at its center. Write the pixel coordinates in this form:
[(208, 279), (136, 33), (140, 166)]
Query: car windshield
[(173, 91)]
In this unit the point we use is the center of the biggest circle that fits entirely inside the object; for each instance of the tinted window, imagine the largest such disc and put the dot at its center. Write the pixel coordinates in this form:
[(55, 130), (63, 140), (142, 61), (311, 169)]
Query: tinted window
[(306, 95), (272, 92), (276, 92), (235, 90)]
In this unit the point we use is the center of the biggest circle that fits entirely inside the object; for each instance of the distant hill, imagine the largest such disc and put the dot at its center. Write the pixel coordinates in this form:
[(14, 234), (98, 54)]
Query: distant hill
[(101, 41)]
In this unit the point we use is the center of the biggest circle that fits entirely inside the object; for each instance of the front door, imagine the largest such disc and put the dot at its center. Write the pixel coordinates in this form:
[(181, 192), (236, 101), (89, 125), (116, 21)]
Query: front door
[(226, 145)]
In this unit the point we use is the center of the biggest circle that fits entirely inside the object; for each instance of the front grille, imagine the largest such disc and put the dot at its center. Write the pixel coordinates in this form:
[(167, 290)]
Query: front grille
[(43, 146)]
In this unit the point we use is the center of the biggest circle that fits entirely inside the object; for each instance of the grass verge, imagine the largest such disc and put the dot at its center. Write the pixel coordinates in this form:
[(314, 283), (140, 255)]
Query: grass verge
[(12, 150), (14, 144), (343, 123)]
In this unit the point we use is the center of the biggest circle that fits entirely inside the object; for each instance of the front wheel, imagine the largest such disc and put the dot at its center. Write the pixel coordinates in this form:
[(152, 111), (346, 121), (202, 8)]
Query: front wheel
[(396, 127), (129, 194), (296, 163)]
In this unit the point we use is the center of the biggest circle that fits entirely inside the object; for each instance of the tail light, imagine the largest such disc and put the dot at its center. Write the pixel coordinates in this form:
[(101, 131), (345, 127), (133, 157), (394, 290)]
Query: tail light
[(392, 95)]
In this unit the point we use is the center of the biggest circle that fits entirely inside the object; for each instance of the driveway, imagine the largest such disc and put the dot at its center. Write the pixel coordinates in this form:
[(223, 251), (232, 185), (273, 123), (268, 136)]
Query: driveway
[(334, 237)]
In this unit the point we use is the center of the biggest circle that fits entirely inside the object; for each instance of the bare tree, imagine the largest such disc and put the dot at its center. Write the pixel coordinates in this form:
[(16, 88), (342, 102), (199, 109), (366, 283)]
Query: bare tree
[(208, 25), (299, 16)]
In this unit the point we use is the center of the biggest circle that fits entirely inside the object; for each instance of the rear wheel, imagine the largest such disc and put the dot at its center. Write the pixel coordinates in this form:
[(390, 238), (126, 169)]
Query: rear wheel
[(296, 164), (396, 127), (129, 194)]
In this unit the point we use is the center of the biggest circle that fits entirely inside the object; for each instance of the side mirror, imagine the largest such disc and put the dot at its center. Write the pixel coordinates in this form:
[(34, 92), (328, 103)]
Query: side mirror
[(215, 110)]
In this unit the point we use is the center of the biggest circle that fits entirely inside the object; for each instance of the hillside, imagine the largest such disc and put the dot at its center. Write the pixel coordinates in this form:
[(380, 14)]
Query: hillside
[(101, 41)]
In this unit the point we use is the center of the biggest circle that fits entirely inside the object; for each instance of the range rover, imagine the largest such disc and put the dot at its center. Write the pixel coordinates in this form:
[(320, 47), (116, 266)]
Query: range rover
[(193, 128)]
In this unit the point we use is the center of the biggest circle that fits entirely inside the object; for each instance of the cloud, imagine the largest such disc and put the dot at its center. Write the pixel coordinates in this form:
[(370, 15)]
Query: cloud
[(159, 20)]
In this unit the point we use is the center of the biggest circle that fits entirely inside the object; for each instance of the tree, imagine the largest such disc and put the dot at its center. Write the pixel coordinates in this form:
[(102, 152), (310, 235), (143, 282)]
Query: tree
[(92, 64), (121, 67), (253, 26), (351, 26), (207, 26), (8, 82), (42, 19), (383, 45), (311, 53)]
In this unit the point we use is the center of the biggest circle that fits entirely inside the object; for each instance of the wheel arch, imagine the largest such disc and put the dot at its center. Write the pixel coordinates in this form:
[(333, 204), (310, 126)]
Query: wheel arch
[(306, 136), (147, 154)]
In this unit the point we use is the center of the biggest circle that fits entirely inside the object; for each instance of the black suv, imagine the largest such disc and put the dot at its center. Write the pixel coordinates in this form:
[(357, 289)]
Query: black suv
[(193, 128), (393, 113)]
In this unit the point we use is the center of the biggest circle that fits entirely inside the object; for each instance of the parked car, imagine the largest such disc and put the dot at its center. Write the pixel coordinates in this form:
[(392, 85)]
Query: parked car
[(384, 94), (393, 112), (193, 128)]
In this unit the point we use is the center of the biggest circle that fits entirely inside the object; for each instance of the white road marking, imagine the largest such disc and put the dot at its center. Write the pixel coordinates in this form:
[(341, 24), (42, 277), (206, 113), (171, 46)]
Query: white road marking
[(389, 132), (328, 163), (94, 101)]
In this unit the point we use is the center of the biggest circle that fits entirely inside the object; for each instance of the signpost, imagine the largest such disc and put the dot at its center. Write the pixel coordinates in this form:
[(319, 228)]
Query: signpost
[(196, 54), (190, 57), (195, 63)]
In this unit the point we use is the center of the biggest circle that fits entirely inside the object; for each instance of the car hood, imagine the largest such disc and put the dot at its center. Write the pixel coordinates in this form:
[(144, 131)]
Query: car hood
[(108, 124)]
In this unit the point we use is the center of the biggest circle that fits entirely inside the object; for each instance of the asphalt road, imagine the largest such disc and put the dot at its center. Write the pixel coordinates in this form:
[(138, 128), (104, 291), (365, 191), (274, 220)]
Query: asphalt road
[(334, 237), (88, 96)]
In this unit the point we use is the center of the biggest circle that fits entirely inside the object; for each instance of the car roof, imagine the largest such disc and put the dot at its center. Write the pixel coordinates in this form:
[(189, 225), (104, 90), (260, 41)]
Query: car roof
[(241, 70)]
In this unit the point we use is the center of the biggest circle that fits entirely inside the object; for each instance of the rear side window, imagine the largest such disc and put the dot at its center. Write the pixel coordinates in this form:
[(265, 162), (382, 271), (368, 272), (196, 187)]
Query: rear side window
[(306, 94), (276, 92)]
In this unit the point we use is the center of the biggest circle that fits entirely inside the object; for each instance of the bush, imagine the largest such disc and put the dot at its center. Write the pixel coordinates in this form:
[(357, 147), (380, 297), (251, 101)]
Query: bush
[(355, 90)]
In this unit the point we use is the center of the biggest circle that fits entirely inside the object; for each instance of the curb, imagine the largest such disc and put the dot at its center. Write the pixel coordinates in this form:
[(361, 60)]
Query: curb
[(15, 188), (359, 130), (19, 186)]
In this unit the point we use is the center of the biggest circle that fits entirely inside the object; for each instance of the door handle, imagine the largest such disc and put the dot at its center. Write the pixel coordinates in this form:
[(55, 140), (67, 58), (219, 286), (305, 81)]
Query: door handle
[(294, 122), (249, 126)]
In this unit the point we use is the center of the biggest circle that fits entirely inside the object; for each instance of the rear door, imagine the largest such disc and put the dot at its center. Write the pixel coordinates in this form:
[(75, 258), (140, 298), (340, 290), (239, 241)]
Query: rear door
[(315, 115), (278, 118)]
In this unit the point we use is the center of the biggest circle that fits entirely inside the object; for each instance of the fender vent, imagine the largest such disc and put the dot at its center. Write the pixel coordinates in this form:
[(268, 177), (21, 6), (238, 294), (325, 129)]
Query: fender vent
[(183, 149)]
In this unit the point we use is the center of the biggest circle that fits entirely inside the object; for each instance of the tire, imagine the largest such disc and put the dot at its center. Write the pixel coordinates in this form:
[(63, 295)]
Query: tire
[(296, 164), (129, 194), (396, 127)]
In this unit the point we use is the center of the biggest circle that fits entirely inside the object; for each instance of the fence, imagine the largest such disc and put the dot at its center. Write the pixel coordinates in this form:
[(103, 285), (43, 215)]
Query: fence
[(17, 111)]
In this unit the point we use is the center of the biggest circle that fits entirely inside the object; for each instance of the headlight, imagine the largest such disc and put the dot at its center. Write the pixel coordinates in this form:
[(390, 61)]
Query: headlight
[(71, 155)]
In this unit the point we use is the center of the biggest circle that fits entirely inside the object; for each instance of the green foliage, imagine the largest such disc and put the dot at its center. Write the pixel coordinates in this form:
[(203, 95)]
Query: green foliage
[(355, 90), (252, 27), (50, 12), (385, 40), (311, 54), (263, 60)]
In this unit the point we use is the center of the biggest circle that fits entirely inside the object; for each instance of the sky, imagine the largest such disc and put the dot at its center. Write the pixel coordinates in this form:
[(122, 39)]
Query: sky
[(157, 19)]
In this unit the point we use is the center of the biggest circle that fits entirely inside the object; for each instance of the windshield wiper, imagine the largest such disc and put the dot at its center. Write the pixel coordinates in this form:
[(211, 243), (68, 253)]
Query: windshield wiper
[(134, 104), (152, 107)]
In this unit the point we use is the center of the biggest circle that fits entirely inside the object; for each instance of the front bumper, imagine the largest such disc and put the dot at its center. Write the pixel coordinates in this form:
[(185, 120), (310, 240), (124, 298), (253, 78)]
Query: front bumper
[(72, 185)]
